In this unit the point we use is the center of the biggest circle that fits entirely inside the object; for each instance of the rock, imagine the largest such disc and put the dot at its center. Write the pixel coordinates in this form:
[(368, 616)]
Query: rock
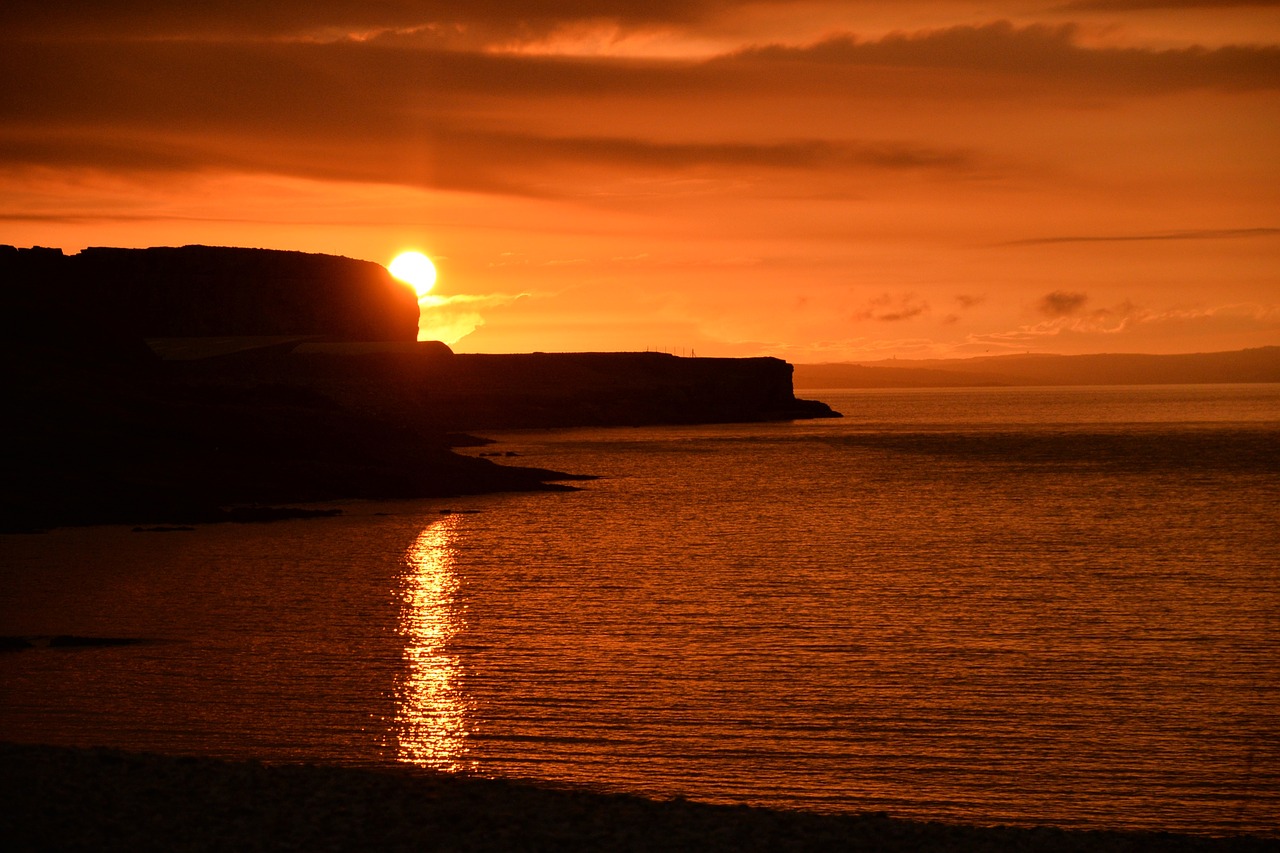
[(449, 392), (193, 291)]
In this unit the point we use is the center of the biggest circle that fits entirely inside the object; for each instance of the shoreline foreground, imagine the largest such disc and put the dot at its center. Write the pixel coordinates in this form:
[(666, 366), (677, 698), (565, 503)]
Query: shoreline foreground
[(60, 798)]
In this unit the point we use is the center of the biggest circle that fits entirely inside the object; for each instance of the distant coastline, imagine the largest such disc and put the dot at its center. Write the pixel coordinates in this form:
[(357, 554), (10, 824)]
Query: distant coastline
[(1260, 364)]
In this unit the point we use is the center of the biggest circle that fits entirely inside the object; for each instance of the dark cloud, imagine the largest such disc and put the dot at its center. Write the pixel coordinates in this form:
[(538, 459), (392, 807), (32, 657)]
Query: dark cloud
[(377, 111), (283, 18), (1196, 234), (355, 85), (451, 158), (341, 84), (804, 154), (1061, 303), (361, 112), (476, 21), (1045, 53), (892, 309), (1137, 5), (967, 301)]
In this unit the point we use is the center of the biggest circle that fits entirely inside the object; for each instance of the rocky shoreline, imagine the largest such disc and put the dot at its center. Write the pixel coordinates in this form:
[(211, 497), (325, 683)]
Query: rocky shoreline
[(63, 799)]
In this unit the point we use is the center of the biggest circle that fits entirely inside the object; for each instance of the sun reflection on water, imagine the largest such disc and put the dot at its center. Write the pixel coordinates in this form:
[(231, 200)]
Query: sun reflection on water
[(432, 713)]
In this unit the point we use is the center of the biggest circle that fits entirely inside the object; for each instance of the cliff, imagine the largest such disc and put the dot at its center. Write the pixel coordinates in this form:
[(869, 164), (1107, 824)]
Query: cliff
[(632, 389), (429, 385), (106, 300)]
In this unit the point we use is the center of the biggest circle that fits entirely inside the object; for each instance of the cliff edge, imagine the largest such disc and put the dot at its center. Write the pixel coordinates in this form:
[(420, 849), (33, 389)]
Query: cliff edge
[(106, 300), (449, 391)]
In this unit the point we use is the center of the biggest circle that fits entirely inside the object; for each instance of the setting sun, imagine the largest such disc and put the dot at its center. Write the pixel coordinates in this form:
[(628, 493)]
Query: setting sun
[(416, 269)]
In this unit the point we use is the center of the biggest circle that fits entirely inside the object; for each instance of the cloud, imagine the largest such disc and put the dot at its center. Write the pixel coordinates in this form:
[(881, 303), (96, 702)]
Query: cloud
[(1128, 327), (1194, 234), (457, 23), (1137, 5), (1039, 53), (449, 327), (1066, 315), (452, 318), (457, 152), (965, 301), (1060, 303), (799, 154), (332, 18), (892, 309), (456, 120), (368, 113)]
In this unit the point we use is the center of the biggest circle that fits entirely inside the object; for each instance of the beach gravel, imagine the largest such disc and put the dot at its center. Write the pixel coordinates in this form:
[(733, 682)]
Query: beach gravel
[(63, 799)]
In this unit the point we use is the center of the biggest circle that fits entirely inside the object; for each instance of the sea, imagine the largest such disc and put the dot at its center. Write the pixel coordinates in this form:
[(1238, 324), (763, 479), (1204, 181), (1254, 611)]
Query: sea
[(1031, 606)]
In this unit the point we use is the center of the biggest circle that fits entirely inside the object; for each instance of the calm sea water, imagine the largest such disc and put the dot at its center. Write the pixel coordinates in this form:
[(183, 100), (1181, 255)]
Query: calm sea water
[(1054, 606)]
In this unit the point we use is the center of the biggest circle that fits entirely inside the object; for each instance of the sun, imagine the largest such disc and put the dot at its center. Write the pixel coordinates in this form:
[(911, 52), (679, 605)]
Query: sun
[(416, 269)]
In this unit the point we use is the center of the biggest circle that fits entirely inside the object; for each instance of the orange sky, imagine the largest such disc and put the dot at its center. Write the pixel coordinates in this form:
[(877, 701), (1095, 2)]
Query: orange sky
[(815, 180)]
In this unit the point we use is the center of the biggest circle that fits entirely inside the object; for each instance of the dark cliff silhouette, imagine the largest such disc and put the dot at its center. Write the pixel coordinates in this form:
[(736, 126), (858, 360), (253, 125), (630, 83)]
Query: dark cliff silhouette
[(428, 385), (104, 297), (176, 385)]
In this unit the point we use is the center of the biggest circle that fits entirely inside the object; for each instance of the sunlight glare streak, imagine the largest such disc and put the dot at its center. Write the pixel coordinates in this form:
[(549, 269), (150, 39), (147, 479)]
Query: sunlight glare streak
[(432, 713)]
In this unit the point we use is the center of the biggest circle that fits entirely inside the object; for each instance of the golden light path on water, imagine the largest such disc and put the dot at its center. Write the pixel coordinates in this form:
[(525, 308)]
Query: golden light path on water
[(432, 713)]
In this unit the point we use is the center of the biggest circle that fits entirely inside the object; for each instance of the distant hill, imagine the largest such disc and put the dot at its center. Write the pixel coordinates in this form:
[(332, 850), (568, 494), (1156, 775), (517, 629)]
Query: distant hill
[(1261, 364)]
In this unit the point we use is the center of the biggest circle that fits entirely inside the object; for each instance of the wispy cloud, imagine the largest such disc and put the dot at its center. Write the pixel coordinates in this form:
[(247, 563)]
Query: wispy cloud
[(1138, 323), (452, 318), (456, 120), (1040, 54), (476, 19), (1061, 303), (1138, 5), (1194, 234), (892, 309)]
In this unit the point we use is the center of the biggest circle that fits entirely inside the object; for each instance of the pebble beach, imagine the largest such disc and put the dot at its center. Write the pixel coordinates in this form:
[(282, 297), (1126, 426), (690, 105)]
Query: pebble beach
[(64, 799)]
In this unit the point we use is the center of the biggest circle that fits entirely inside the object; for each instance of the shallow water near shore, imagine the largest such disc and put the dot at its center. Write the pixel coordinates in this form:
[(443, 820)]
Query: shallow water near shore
[(1052, 606)]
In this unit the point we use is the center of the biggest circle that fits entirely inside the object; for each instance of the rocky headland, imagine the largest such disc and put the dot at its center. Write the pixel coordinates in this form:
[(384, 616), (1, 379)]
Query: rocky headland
[(175, 385), (101, 296)]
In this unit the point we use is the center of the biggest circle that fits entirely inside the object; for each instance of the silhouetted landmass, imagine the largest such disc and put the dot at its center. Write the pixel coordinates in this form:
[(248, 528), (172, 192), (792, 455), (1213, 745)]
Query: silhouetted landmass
[(101, 443), (1261, 364), (427, 384), (102, 297), (53, 798), (173, 386)]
